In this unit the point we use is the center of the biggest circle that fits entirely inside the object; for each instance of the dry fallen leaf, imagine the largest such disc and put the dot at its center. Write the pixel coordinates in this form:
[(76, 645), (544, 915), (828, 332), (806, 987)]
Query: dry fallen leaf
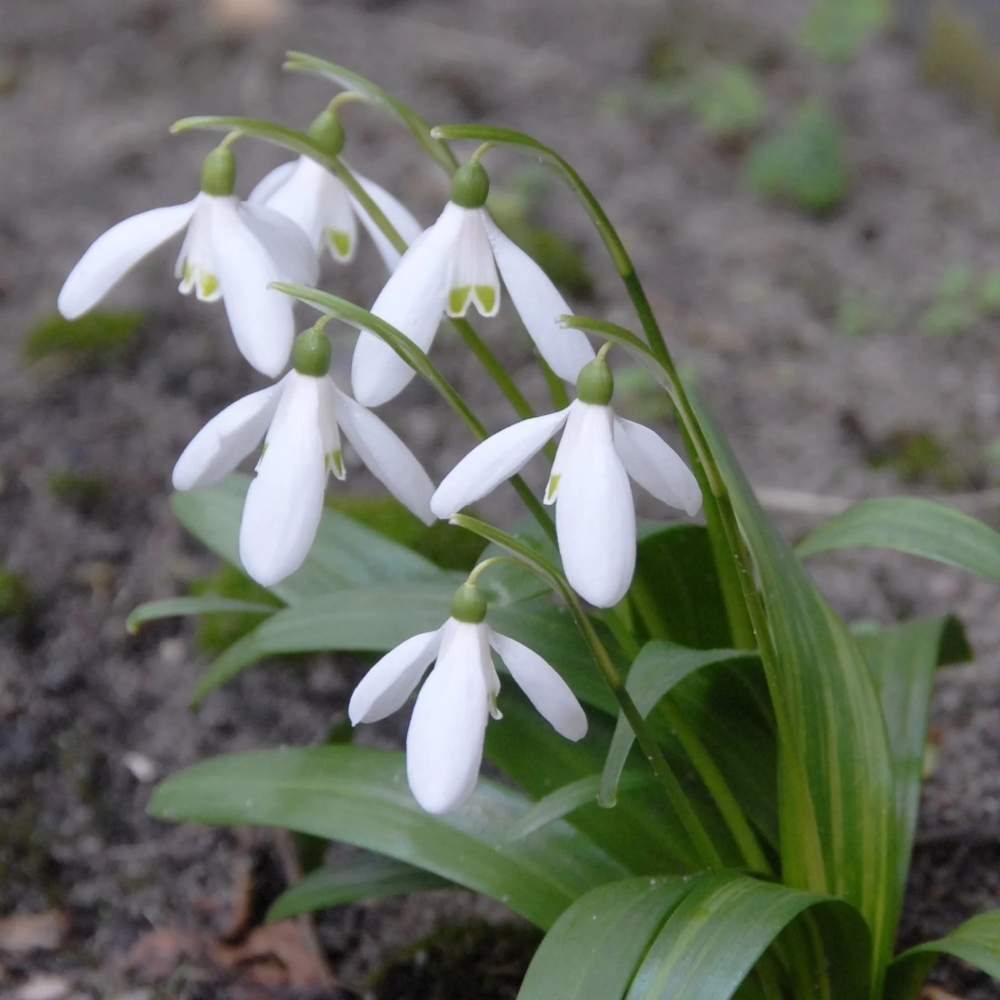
[(936, 993), (246, 15), (280, 945), (24, 933)]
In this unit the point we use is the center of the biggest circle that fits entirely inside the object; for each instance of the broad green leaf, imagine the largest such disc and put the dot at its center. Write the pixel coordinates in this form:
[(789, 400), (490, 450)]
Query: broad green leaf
[(658, 667), (913, 525), (353, 619), (726, 922), (676, 589), (359, 796), (365, 876), (300, 62), (977, 942), (595, 947), (837, 794), (902, 661), (179, 606), (568, 799), (345, 553)]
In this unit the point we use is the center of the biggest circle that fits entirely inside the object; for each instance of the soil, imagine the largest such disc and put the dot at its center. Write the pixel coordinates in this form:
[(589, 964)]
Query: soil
[(752, 295)]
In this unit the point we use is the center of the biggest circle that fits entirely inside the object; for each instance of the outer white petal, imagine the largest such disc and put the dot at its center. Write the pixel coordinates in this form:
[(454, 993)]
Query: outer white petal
[(545, 689), (297, 196), (285, 242), (285, 499), (474, 273), (226, 440), (260, 317), (402, 219), (391, 462), (444, 744), (656, 467), (388, 684), (595, 516), (497, 458), (539, 305), (270, 183), (413, 301), (118, 250)]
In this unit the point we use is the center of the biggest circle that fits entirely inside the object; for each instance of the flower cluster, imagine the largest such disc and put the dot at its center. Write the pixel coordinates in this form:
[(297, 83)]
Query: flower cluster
[(235, 251)]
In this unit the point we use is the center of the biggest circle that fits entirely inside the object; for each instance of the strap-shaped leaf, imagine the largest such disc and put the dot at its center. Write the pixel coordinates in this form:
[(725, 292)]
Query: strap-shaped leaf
[(903, 661), (595, 947), (360, 796), (345, 552), (977, 942), (913, 525), (364, 876), (179, 606), (723, 926), (837, 793)]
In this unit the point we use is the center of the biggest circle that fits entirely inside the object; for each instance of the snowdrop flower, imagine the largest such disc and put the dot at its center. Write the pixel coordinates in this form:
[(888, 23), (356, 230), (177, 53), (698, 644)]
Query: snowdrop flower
[(454, 265), (300, 419), (444, 744), (320, 205), (589, 483), (232, 251)]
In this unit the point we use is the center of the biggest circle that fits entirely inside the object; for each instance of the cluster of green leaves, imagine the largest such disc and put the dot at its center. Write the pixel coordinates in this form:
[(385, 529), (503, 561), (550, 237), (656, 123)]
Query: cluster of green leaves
[(961, 300)]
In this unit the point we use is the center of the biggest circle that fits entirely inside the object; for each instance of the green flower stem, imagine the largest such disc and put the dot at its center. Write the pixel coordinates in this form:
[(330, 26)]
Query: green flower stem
[(557, 388), (661, 768)]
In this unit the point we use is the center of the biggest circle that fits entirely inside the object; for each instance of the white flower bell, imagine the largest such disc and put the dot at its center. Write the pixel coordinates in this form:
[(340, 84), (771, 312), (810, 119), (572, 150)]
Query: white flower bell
[(444, 744), (233, 250), (454, 265), (302, 416), (321, 206), (589, 483)]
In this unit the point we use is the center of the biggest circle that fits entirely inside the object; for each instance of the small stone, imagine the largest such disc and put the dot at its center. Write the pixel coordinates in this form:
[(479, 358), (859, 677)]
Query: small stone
[(142, 767), (44, 987)]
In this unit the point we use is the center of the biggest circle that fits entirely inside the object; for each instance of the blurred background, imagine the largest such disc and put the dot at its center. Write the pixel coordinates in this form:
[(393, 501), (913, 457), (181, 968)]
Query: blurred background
[(811, 192)]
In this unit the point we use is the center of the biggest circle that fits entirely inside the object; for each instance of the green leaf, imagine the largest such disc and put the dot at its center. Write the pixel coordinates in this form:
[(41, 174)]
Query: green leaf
[(300, 62), (178, 606), (977, 942), (96, 336), (365, 876), (359, 796), (568, 799), (726, 922), (903, 661), (354, 620), (915, 526), (728, 101), (658, 668), (344, 554), (835, 29), (595, 947), (676, 589), (836, 788)]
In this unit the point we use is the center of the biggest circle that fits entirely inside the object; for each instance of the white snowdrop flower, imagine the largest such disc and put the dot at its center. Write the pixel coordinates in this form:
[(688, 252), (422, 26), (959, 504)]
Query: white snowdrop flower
[(300, 419), (444, 744), (232, 251), (454, 265), (589, 483)]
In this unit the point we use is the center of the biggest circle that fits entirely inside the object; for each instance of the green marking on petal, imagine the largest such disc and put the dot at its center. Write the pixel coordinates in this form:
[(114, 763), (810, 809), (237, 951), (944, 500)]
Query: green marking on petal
[(336, 460), (486, 296), (209, 285), (551, 488), (458, 300), (341, 243), (187, 272)]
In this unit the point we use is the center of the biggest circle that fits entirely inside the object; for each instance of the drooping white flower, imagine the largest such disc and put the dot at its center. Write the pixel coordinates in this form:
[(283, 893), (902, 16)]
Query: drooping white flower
[(589, 482), (233, 250), (300, 419), (321, 206), (444, 744), (454, 265)]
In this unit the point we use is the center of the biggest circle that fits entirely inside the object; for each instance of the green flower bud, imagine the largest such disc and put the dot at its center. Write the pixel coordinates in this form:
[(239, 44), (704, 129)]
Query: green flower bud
[(311, 353), (595, 384), (470, 186), (327, 132), (468, 605), (218, 172)]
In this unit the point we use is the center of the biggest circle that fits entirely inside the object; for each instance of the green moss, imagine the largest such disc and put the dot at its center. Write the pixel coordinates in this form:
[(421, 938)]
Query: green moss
[(487, 961), (918, 457), (83, 492), (835, 30), (96, 336), (728, 101), (956, 306), (217, 632), (17, 599)]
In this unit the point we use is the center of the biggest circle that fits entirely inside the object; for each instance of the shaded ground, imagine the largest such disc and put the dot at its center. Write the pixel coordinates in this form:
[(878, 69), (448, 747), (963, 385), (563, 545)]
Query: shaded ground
[(751, 294)]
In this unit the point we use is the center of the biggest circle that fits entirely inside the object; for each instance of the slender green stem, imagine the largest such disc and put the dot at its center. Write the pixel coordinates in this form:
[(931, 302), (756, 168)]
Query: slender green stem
[(557, 388)]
